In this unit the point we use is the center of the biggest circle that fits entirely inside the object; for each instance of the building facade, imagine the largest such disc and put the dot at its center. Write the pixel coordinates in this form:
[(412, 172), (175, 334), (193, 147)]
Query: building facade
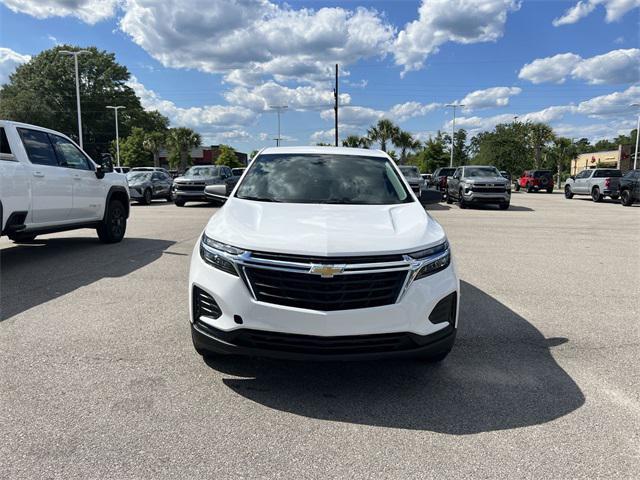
[(621, 158), (202, 156)]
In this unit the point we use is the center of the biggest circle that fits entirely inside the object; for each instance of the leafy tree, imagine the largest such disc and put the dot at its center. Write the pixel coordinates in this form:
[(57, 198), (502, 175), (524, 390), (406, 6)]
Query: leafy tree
[(228, 157), (405, 141), (132, 150), (323, 144), (460, 148), (540, 134), (355, 141), (384, 131), (154, 142), (253, 154), (432, 156), (42, 92), (181, 140), (506, 147)]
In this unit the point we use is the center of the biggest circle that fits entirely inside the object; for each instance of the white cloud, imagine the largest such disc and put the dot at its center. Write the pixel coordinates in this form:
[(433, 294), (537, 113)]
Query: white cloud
[(442, 21), (490, 97), (305, 97), (356, 116), (616, 103), (595, 132), (616, 9), (253, 39), (550, 69), (9, 60), (404, 111), (89, 11), (207, 115), (614, 67)]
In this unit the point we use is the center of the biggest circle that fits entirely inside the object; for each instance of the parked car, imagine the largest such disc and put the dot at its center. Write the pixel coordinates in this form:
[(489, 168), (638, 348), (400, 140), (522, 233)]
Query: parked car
[(48, 184), (597, 182), (439, 178), (145, 186), (231, 182), (237, 172), (412, 176), (535, 180), (123, 170), (190, 186), (322, 253), (427, 179), (150, 169), (506, 175), (478, 184), (630, 188)]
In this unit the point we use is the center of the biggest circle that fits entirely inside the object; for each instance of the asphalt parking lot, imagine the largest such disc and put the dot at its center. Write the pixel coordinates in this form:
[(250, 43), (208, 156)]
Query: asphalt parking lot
[(98, 377)]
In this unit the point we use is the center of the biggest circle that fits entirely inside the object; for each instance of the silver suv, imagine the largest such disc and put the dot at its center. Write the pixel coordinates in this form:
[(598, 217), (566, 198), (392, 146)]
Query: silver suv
[(478, 184)]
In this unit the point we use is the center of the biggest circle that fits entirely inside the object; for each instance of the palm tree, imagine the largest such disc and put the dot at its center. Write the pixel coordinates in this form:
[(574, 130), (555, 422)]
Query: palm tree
[(154, 142), (405, 141), (383, 132), (182, 140), (354, 141), (540, 134)]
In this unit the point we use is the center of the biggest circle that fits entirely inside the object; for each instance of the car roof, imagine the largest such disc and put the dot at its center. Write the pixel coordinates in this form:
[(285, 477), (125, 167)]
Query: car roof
[(32, 127), (325, 150)]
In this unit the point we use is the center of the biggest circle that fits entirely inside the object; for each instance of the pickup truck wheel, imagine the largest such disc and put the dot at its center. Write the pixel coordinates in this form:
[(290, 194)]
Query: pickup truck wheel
[(529, 188), (625, 198), (596, 196), (25, 238), (449, 200), (517, 187), (461, 200), (178, 202), (550, 190), (112, 228), (146, 197), (567, 192), (170, 196), (504, 206)]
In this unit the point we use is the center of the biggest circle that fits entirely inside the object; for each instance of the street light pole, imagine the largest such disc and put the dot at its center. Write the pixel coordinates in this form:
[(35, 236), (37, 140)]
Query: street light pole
[(75, 61), (453, 127), (635, 158), (278, 109), (115, 110)]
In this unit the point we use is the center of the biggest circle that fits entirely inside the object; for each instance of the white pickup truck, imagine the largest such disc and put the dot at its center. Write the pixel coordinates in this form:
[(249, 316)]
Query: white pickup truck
[(48, 184)]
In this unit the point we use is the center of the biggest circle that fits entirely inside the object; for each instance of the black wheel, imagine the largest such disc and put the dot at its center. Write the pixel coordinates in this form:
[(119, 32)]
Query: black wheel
[(549, 190), (461, 200), (23, 238), (517, 187), (596, 196), (178, 202), (170, 196), (625, 198), (112, 228), (504, 206), (529, 188), (567, 192), (147, 196), (449, 200)]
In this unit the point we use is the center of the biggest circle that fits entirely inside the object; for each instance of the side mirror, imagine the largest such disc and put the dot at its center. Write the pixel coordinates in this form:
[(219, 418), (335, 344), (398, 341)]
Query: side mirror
[(101, 170), (216, 193)]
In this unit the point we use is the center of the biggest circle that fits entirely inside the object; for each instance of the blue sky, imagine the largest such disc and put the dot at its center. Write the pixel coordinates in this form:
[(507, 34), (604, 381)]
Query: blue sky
[(216, 65)]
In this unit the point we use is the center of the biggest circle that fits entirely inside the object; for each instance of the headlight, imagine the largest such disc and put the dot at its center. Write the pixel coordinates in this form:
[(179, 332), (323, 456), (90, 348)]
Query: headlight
[(432, 260), (219, 255)]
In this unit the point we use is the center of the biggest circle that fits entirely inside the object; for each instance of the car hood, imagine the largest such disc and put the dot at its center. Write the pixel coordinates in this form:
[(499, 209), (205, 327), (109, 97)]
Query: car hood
[(139, 184), (196, 178), (324, 230)]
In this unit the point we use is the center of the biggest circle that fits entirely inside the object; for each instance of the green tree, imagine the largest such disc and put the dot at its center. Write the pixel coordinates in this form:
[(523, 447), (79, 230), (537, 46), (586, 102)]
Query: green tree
[(154, 142), (405, 142), (433, 154), (228, 157), (384, 132), (181, 140), (507, 147), (42, 92), (253, 154), (460, 148), (132, 150), (355, 141), (540, 134)]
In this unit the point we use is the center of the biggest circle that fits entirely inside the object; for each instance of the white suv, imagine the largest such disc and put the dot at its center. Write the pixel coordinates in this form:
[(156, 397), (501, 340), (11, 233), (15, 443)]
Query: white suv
[(323, 253), (48, 184)]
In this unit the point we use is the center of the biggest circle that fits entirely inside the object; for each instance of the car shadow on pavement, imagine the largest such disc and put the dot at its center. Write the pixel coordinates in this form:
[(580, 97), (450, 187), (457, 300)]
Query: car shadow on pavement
[(36, 272), (500, 375)]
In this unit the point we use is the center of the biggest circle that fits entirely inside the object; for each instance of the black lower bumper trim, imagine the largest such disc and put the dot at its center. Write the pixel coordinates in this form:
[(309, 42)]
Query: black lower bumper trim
[(313, 348)]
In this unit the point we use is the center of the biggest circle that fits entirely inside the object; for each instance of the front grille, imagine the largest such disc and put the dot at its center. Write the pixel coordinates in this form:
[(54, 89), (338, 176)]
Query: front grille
[(204, 305), (283, 257), (479, 189), (341, 292), (190, 188), (285, 342)]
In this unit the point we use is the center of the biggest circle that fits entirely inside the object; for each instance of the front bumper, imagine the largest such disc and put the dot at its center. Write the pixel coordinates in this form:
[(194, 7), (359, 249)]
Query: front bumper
[(134, 194), (198, 196), (241, 314), (482, 197)]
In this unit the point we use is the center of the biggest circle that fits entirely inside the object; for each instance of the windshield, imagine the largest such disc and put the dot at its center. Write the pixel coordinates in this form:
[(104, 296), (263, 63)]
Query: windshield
[(542, 173), (323, 178), (138, 176), (446, 172), (237, 171), (410, 171), (481, 172), (607, 173), (202, 172)]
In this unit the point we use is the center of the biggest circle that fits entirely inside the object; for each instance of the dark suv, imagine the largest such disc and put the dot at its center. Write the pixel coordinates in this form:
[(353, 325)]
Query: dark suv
[(190, 186), (630, 188), (439, 178), (535, 180)]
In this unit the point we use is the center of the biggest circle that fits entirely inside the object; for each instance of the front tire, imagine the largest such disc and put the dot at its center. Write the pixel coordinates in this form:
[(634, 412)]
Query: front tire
[(549, 190), (596, 196), (568, 194), (169, 197), (461, 201), (625, 198), (147, 197), (504, 206), (178, 202), (114, 225), (529, 188), (449, 200), (23, 238)]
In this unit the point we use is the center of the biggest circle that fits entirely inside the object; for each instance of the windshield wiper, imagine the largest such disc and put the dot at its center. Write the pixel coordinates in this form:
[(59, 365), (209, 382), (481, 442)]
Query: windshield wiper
[(257, 199)]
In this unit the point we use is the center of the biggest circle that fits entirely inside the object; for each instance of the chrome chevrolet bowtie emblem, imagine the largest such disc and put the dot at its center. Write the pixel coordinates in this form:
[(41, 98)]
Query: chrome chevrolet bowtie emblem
[(327, 271)]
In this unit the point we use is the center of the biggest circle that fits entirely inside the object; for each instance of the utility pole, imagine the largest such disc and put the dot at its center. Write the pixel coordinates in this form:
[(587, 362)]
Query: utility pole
[(75, 60), (335, 105), (635, 159), (453, 127), (278, 109), (115, 110)]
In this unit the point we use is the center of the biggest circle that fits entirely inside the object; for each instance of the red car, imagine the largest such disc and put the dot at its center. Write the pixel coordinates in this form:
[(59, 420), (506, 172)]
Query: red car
[(535, 180)]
